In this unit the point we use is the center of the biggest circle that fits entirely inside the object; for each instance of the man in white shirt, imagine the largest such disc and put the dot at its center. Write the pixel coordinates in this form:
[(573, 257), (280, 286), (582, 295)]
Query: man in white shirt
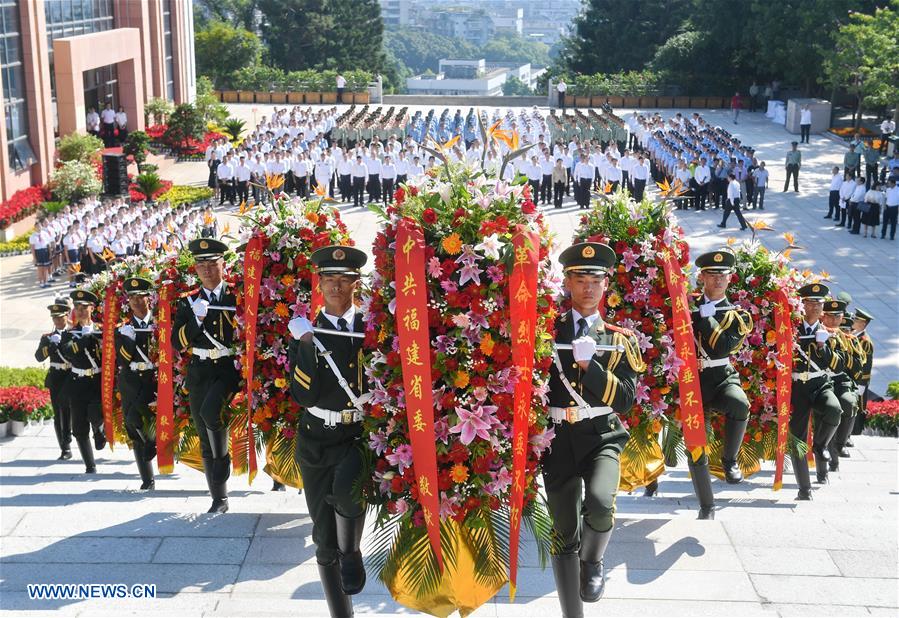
[(93, 122), (535, 175), (360, 175), (561, 87), (345, 178), (833, 201), (891, 210), (583, 178), (805, 124), (732, 203), (388, 178), (225, 173), (640, 172), (853, 213), (107, 118), (323, 173), (546, 180), (242, 174), (341, 84), (887, 128), (760, 178), (373, 165)]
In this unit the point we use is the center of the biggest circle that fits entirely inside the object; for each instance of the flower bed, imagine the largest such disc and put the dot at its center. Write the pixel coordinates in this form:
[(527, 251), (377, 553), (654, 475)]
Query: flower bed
[(185, 194), (883, 416), (16, 246), (25, 403), (21, 204)]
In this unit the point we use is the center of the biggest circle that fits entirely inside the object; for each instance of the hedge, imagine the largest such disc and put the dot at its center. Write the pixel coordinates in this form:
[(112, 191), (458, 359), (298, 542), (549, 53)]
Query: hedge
[(22, 376)]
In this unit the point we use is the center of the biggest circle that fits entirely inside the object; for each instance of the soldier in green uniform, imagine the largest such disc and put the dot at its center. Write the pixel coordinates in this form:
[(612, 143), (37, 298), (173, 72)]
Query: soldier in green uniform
[(843, 372), (327, 380), (57, 380), (720, 329), (137, 377), (588, 386), (812, 389), (204, 324), (81, 346), (860, 322)]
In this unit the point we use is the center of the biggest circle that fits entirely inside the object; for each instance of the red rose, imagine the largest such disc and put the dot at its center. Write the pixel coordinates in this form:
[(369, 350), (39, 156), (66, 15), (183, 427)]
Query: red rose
[(528, 207), (429, 216), (399, 196)]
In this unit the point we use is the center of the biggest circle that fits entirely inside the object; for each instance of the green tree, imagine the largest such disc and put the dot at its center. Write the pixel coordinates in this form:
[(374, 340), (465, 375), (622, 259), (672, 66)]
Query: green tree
[(514, 87), (136, 146), (239, 13), (513, 48), (222, 49), (865, 59), (184, 123), (421, 51), (612, 35), (324, 34), (79, 147)]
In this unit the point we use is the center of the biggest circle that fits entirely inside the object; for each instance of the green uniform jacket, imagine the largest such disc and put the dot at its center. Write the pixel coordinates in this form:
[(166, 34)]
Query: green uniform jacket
[(720, 336), (219, 324)]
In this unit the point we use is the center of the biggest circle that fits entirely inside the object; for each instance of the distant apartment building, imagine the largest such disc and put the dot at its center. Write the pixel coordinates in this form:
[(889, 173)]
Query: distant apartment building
[(471, 78), (395, 13)]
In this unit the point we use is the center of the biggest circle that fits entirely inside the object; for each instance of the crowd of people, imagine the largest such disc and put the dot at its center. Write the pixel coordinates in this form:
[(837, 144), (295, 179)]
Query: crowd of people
[(109, 125), (86, 237)]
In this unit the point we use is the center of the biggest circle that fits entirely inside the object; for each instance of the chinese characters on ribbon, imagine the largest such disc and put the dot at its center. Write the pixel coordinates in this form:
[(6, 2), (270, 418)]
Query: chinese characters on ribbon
[(165, 417), (110, 319), (784, 382)]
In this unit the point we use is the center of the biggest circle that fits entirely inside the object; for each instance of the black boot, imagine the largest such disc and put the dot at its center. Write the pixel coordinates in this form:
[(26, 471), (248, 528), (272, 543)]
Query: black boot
[(823, 435), (87, 454), (800, 469), (566, 569), (144, 467), (65, 448), (99, 436), (842, 436), (651, 488), (349, 537), (217, 478), (702, 486), (593, 546), (278, 486), (339, 604), (733, 438)]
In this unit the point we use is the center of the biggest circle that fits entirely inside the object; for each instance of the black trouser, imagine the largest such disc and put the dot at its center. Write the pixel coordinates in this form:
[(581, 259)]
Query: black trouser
[(138, 391), (401, 179), (639, 188), (567, 180), (358, 190), (792, 170), (374, 188), (211, 385), (626, 181), (584, 186), (562, 100), (546, 185), (735, 207), (387, 190), (583, 461), (227, 191), (301, 184), (870, 175), (804, 130), (331, 464), (346, 187), (833, 205), (107, 132), (57, 383), (855, 218), (86, 404), (535, 189), (814, 397), (889, 219), (702, 195), (254, 188), (243, 191), (558, 193)]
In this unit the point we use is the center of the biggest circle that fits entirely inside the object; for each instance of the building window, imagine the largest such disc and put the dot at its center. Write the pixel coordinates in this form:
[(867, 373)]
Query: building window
[(14, 105), (169, 62)]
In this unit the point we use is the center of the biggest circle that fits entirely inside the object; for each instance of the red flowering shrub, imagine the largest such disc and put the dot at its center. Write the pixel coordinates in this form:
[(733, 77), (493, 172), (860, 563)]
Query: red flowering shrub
[(22, 403), (21, 204), (884, 416)]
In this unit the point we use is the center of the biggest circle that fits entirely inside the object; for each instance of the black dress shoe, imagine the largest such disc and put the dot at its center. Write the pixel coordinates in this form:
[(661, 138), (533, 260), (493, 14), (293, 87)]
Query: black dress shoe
[(90, 470), (844, 452), (593, 581), (804, 494), (278, 486), (65, 455), (721, 225), (219, 505), (99, 441), (149, 485), (706, 512)]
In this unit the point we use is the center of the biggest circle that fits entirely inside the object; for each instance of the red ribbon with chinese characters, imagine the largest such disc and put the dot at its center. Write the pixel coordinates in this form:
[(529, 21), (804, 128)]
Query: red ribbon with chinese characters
[(784, 330), (415, 346), (317, 300), (165, 394), (523, 312), (108, 362), (252, 276), (692, 415)]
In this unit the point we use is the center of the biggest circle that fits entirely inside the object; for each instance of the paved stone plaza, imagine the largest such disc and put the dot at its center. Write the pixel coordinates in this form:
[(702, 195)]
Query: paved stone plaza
[(765, 554)]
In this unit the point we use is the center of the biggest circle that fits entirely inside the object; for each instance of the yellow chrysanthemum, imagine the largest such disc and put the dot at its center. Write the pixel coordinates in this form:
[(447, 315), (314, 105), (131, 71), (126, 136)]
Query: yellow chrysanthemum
[(288, 280), (770, 337), (613, 300), (452, 244), (461, 379), (280, 382), (281, 310), (487, 344)]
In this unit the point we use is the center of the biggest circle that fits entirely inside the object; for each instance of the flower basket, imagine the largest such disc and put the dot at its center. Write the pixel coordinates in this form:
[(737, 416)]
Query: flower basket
[(467, 222), (638, 299)]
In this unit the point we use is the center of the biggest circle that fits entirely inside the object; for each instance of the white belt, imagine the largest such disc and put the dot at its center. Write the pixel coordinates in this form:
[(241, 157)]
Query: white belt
[(336, 417), (705, 363), (805, 376), (85, 373), (211, 354), (575, 414), (63, 366), (141, 366)]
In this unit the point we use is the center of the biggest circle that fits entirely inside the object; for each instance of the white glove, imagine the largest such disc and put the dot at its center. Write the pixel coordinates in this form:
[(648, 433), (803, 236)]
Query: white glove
[(583, 349), (821, 336), (299, 326), (201, 308), (128, 331), (87, 329), (55, 338), (707, 310)]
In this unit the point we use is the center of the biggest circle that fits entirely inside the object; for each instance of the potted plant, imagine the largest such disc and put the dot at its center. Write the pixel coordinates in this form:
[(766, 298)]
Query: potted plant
[(4, 423), (327, 83)]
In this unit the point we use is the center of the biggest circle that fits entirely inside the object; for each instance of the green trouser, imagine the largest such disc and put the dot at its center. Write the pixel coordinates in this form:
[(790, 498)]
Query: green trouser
[(583, 460), (815, 397), (847, 396), (137, 392), (211, 385), (722, 392), (330, 463)]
